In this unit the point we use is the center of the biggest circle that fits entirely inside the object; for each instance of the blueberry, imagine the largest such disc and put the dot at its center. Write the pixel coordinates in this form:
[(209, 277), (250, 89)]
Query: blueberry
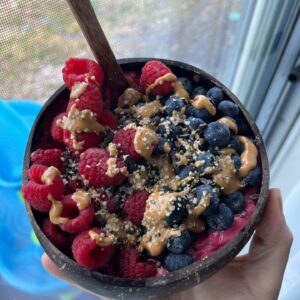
[(254, 177), (199, 113), (175, 131), (194, 123), (187, 84), (174, 104), (198, 90), (228, 108), (235, 202), (179, 244), (140, 104), (163, 146), (217, 134), (235, 144), (243, 128), (178, 170), (208, 160), (179, 213), (175, 262), (132, 165), (216, 94), (221, 219), (185, 172), (236, 161), (163, 100), (214, 198)]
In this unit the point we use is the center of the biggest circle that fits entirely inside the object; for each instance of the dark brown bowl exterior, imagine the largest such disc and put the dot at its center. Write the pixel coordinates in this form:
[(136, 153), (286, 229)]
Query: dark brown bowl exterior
[(185, 278)]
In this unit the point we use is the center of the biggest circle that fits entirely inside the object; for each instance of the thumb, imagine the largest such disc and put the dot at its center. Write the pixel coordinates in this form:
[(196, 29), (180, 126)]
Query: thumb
[(271, 243)]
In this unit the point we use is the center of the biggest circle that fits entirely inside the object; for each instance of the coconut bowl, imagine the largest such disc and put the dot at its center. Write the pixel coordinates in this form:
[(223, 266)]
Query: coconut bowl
[(185, 278)]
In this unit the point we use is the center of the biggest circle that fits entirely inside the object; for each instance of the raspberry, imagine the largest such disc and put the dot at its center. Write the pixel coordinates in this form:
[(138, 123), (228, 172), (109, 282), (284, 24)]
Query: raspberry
[(47, 157), (88, 254), (55, 235), (79, 220), (35, 172), (90, 99), (93, 167), (36, 192), (152, 70), (135, 205), (124, 138), (89, 139), (109, 119), (133, 79), (81, 69), (57, 132), (131, 266)]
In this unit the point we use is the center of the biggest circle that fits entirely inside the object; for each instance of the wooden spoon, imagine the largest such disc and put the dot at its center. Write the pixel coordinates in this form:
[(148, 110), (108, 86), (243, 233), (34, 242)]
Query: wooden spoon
[(89, 24)]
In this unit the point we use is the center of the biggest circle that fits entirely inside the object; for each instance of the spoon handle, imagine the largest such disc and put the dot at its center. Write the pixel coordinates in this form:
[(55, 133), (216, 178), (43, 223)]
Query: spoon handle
[(89, 24)]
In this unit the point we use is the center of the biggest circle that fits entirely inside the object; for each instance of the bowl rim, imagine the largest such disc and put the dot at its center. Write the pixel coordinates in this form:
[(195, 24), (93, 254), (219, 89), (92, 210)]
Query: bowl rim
[(220, 257)]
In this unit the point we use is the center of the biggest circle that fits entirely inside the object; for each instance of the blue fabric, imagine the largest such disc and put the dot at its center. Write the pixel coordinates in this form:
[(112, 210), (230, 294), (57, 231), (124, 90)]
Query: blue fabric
[(20, 252)]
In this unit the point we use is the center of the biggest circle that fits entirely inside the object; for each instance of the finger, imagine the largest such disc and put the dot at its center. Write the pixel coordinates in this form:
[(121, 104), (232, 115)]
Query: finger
[(270, 247), (272, 234), (53, 269)]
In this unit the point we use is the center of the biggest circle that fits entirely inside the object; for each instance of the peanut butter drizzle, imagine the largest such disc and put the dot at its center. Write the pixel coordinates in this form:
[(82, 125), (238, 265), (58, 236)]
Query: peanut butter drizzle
[(230, 123), (194, 224), (227, 151), (49, 175), (180, 90), (112, 150), (160, 81), (155, 240), (182, 159), (56, 211), (100, 239), (78, 89), (199, 163), (129, 97), (167, 173), (144, 140), (202, 205), (225, 175), (80, 121), (158, 206), (201, 101), (248, 156), (166, 148), (149, 109), (82, 199), (113, 170)]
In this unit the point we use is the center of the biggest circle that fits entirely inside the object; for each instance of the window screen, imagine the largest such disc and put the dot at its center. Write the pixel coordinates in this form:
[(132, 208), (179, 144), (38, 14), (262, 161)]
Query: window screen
[(36, 37)]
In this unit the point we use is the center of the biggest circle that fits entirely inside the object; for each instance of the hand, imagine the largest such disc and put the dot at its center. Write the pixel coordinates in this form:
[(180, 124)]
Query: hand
[(256, 275)]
